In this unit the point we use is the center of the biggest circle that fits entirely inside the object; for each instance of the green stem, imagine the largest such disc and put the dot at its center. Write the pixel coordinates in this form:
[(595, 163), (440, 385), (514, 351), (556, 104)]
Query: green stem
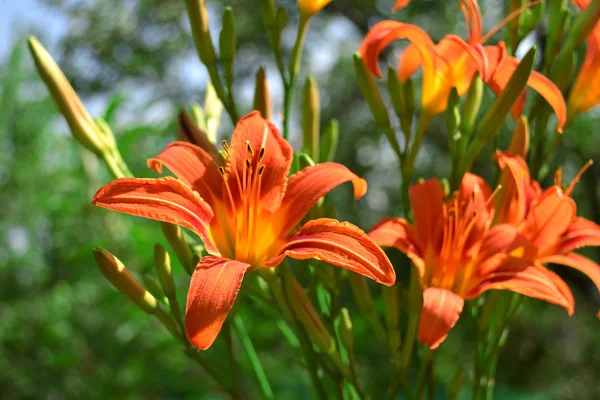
[(421, 377), (257, 368), (176, 311), (193, 354), (229, 342), (409, 161), (294, 68), (113, 165), (305, 345)]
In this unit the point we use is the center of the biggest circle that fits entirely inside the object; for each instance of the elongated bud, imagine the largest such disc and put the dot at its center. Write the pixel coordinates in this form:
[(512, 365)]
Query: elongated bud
[(494, 118), (305, 312), (121, 278), (162, 264), (519, 145), (228, 37), (362, 293), (227, 44), (192, 133), (174, 235), (262, 95), (530, 18), (80, 122), (345, 329), (329, 141), (311, 118), (396, 92), (153, 286), (391, 302), (281, 19), (453, 112), (213, 108), (472, 105), (558, 21), (369, 90), (198, 16)]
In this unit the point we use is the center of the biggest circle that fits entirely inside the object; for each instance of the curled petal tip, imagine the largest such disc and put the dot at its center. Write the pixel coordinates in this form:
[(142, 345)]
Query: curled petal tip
[(360, 188)]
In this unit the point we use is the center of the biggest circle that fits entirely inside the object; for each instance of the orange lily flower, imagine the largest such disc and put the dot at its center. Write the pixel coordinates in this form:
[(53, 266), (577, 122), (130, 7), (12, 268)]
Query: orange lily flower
[(585, 93), (547, 220), (439, 75), (456, 63), (244, 211), (459, 256)]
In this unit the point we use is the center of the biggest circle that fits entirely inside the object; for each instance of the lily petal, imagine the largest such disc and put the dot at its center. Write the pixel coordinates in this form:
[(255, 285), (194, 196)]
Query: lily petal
[(524, 277), (194, 166), (191, 132), (399, 233), (580, 233), (306, 187), (341, 244), (213, 290), (165, 199), (549, 218), (578, 262), (437, 76), (259, 133), (427, 199), (512, 202), (441, 310)]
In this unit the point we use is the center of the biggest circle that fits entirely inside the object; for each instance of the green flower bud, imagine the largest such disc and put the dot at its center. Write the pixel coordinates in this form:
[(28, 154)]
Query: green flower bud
[(174, 235), (121, 278), (329, 141), (162, 264), (311, 118), (262, 95)]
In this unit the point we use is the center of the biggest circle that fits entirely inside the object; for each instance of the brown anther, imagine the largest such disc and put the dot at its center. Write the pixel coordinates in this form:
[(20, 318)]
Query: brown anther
[(247, 163), (225, 145), (261, 170), (261, 154), (249, 148)]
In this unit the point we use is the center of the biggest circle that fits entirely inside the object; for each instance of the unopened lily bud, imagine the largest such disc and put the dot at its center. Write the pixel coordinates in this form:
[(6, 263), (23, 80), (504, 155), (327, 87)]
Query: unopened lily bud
[(453, 112), (362, 293), (396, 92), (228, 37), (311, 118), (560, 16), (329, 141), (494, 118), (310, 7), (227, 44), (305, 312), (174, 235), (345, 328), (471, 106), (262, 95), (153, 286), (121, 278), (192, 133), (530, 18), (281, 18), (213, 108), (80, 122), (198, 16), (519, 144), (364, 300), (162, 264), (369, 90), (391, 302)]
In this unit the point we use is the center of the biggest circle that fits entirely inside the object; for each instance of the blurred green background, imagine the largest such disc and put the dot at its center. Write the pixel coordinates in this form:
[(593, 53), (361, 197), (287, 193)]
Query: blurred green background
[(66, 333)]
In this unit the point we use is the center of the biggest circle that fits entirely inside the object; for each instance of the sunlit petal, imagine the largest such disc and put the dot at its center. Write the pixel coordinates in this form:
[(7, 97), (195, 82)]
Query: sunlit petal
[(441, 310), (213, 290), (307, 186), (164, 199), (341, 244)]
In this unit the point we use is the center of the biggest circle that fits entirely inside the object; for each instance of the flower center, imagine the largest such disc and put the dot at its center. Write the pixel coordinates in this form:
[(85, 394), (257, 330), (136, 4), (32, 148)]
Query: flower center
[(243, 225)]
